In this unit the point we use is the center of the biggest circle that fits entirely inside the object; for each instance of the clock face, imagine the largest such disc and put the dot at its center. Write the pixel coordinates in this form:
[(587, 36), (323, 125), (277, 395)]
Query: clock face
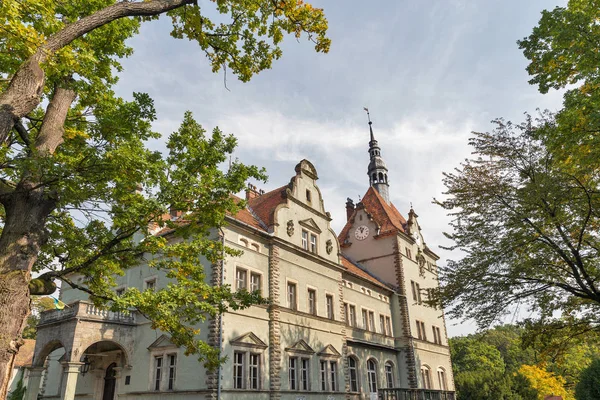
[(362, 232)]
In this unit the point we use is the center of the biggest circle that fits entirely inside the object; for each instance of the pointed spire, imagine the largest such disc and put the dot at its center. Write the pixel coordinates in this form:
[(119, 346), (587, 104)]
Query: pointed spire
[(377, 170)]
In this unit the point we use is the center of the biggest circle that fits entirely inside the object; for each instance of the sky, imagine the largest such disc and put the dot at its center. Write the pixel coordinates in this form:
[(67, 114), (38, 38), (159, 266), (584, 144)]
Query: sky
[(430, 72)]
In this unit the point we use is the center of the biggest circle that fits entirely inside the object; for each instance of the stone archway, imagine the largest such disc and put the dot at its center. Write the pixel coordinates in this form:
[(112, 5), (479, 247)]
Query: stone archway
[(104, 361)]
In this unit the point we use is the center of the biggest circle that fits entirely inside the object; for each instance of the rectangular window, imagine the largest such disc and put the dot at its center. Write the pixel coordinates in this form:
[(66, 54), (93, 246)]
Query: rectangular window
[(389, 375), (365, 320), (442, 379), (255, 282), (239, 361), (312, 302), (372, 321), (421, 330), (151, 284), (240, 279), (352, 315), (437, 335), (291, 296), (408, 253), (313, 243), (172, 365), (324, 376), (414, 290), (158, 364), (382, 324), (293, 366), (329, 306), (305, 240), (304, 374), (333, 372), (346, 316), (255, 371), (353, 374), (388, 325)]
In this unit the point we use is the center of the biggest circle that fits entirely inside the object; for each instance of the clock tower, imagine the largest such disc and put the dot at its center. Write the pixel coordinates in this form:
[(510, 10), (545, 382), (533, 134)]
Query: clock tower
[(377, 170)]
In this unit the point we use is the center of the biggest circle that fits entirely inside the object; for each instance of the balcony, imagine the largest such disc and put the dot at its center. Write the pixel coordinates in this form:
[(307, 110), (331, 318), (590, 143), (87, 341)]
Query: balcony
[(415, 394), (85, 311)]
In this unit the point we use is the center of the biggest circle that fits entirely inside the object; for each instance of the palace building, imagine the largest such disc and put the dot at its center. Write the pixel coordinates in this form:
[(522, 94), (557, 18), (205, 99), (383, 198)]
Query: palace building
[(349, 316)]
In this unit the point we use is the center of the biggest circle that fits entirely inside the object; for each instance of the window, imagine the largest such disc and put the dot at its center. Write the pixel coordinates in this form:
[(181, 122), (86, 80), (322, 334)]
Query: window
[(388, 325), (372, 376), (329, 299), (352, 311), (416, 290), (382, 324), (255, 282), (365, 320), (389, 374), (323, 375), (240, 279), (312, 301), (442, 379), (158, 365), (120, 292), (239, 361), (304, 373), (254, 371), (437, 336), (372, 321), (426, 377), (172, 365), (291, 296), (333, 373), (346, 316), (304, 240), (421, 330), (292, 368), (353, 374), (408, 253), (308, 196), (255, 247), (151, 284), (313, 243)]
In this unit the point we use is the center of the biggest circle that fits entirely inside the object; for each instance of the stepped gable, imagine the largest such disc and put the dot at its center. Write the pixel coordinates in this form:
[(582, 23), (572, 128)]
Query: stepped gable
[(264, 205), (355, 270), (385, 215)]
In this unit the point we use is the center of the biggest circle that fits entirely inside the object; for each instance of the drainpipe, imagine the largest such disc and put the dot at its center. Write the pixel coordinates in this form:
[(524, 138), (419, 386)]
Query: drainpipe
[(221, 316)]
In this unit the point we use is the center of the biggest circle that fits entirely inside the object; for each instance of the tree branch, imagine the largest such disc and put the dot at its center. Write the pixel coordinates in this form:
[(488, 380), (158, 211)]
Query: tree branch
[(52, 130)]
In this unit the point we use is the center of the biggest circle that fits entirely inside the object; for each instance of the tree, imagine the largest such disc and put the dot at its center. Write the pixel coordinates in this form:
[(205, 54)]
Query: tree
[(545, 383), (588, 387), (527, 224), (78, 187)]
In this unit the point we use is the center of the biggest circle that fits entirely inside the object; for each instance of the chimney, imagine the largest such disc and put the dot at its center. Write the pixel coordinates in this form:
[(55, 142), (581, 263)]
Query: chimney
[(252, 192), (349, 208), (175, 213)]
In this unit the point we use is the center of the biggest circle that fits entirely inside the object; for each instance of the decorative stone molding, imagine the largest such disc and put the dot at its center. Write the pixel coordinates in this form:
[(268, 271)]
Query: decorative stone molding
[(274, 325), (290, 228), (329, 246)]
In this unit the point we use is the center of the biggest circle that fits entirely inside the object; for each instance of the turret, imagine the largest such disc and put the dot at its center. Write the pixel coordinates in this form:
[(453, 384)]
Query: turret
[(377, 170)]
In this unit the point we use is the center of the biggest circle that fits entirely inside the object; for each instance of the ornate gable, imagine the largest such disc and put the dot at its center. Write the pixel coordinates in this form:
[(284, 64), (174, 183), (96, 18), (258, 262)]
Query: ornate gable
[(249, 340), (300, 347), (329, 351)]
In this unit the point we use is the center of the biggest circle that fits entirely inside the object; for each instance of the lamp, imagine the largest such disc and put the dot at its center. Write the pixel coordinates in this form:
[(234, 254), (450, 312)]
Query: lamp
[(86, 365)]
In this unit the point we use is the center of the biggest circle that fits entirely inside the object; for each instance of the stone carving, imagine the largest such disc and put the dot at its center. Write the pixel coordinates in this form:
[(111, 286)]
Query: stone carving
[(329, 246), (290, 228), (421, 262)]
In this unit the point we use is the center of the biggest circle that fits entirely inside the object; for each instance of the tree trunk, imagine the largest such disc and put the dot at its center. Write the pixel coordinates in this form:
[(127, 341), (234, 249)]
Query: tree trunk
[(27, 210)]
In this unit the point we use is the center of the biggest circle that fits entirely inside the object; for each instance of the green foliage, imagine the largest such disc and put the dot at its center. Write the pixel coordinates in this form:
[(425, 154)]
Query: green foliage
[(527, 224), (19, 392), (588, 387)]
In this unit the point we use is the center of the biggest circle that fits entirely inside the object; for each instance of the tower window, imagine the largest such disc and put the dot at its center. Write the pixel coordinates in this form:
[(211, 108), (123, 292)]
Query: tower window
[(308, 198), (374, 178), (380, 177)]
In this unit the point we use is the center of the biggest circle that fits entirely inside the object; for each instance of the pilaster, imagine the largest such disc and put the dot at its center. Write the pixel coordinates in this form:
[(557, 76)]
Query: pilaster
[(71, 373), (274, 324), (33, 382), (214, 333)]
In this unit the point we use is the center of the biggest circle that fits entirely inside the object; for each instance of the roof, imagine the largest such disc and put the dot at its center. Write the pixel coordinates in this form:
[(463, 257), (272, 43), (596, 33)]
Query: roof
[(25, 355), (355, 269), (385, 215), (264, 205)]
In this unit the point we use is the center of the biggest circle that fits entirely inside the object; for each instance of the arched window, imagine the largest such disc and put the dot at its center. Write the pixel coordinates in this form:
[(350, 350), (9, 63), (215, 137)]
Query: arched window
[(372, 375), (381, 177), (255, 247), (442, 378), (353, 374), (244, 242), (389, 374), (385, 178), (374, 178), (426, 377)]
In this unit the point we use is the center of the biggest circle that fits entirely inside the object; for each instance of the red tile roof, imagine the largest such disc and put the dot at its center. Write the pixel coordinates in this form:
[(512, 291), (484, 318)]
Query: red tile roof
[(354, 269), (385, 215), (264, 206), (25, 355)]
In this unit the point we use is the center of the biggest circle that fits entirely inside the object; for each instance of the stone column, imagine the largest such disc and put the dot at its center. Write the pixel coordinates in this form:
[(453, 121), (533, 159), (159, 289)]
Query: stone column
[(33, 382), (71, 371)]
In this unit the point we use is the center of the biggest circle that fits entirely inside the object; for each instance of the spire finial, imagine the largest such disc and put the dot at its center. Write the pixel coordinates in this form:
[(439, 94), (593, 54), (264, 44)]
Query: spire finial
[(370, 123)]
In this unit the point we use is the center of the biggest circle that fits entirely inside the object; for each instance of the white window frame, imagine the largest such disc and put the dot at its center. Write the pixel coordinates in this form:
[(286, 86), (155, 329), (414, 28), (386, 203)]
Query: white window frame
[(372, 375), (330, 308), (244, 280), (388, 324), (300, 374), (165, 369), (305, 238), (253, 286), (389, 374), (352, 316), (311, 310), (314, 243), (442, 379), (287, 293), (355, 370)]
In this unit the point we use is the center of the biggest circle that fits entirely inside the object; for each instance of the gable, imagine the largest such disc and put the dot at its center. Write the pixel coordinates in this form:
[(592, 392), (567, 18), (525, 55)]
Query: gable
[(162, 342), (300, 347), (329, 351), (249, 340), (310, 224)]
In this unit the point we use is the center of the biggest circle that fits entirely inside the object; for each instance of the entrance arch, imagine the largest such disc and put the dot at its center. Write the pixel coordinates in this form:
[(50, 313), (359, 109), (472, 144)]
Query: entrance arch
[(110, 381)]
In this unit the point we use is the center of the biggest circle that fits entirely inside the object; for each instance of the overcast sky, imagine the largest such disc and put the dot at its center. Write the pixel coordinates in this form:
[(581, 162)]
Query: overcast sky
[(430, 71)]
